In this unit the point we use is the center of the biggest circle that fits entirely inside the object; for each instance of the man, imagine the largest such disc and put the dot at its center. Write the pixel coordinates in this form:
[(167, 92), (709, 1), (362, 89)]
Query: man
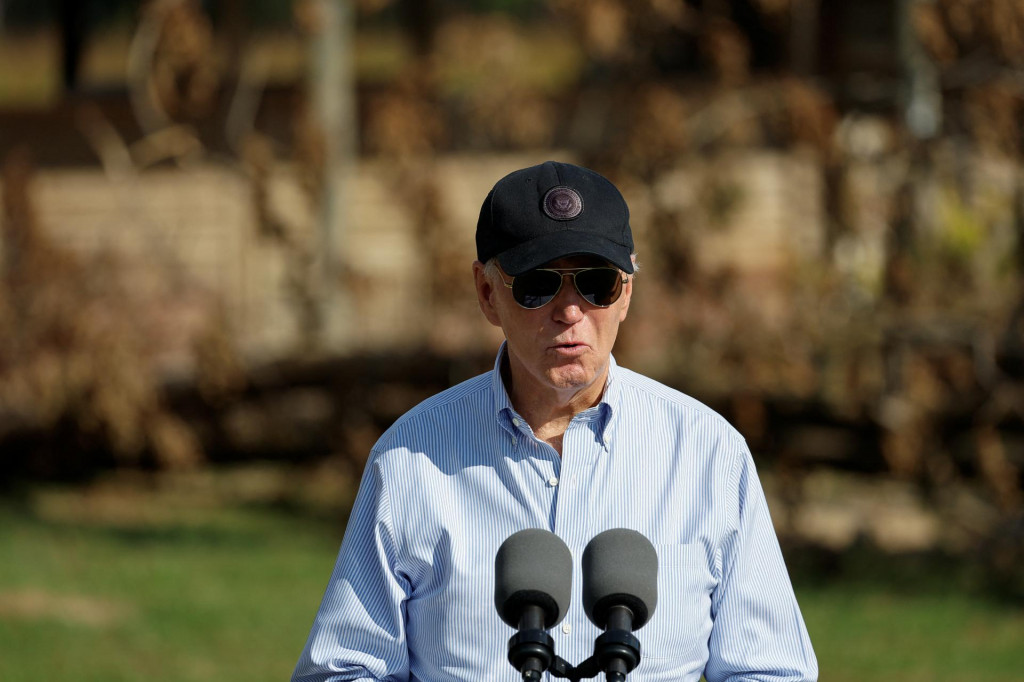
[(556, 437)]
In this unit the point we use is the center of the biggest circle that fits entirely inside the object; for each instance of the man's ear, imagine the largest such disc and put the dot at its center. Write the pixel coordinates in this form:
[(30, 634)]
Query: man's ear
[(627, 295), (485, 293)]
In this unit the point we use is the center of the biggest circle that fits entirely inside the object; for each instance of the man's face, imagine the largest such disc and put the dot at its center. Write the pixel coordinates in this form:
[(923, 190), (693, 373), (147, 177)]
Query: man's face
[(564, 345)]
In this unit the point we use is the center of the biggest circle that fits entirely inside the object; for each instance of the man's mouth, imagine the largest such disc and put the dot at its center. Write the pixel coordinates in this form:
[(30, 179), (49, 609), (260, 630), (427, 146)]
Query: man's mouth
[(570, 347)]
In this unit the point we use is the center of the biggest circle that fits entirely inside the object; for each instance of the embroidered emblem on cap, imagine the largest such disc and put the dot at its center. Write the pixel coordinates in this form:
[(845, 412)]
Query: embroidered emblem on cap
[(562, 203)]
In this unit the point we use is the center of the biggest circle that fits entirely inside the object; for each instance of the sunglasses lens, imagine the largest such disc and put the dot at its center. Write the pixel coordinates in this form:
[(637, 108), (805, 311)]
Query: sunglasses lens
[(535, 288), (599, 286)]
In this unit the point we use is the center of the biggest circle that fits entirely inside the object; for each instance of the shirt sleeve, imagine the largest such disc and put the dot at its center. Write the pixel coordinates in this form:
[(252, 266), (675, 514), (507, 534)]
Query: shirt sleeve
[(359, 631), (758, 634)]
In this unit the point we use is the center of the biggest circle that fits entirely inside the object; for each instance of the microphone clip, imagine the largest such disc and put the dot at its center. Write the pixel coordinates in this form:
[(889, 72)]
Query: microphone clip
[(617, 653), (531, 652)]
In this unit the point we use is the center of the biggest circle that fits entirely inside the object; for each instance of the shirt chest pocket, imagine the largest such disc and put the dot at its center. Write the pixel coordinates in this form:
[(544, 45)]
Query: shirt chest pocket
[(681, 623)]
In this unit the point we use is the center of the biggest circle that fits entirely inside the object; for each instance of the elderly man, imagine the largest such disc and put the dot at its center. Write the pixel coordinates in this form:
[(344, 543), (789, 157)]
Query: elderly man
[(556, 437)]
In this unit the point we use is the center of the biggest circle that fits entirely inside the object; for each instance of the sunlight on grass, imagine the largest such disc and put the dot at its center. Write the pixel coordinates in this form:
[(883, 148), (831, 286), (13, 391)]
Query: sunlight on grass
[(864, 633), (229, 599)]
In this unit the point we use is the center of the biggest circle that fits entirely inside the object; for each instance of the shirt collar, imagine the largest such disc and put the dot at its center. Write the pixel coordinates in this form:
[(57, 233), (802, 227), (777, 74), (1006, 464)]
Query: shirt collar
[(501, 399), (603, 413)]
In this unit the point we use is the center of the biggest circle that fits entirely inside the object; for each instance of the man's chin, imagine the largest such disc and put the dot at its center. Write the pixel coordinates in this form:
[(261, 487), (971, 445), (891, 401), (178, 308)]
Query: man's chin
[(570, 375)]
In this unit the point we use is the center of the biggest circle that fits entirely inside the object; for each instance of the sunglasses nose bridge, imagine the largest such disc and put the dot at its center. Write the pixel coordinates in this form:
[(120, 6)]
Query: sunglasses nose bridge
[(571, 288), (561, 282)]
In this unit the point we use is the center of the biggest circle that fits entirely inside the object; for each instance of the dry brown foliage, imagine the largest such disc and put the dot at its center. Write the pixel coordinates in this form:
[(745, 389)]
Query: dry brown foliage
[(951, 29), (406, 120), (994, 114), (79, 347), (288, 234), (728, 51), (183, 68), (482, 59)]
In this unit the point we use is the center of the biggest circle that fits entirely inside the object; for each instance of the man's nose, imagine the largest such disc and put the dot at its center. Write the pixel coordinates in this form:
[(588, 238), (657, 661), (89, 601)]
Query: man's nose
[(568, 304)]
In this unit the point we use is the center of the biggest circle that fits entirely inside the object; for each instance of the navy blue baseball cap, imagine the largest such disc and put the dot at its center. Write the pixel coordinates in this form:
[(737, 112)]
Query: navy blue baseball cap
[(542, 213)]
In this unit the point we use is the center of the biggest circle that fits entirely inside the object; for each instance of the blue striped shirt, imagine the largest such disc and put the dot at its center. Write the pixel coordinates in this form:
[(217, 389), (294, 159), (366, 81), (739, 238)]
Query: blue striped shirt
[(412, 592)]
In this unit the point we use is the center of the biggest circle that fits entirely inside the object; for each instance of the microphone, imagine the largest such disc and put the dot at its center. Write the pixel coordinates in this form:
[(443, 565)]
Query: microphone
[(620, 593), (532, 589)]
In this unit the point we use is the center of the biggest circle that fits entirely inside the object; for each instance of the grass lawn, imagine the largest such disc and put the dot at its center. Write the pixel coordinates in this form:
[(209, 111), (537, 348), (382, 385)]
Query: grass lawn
[(872, 634), (157, 590), (223, 594)]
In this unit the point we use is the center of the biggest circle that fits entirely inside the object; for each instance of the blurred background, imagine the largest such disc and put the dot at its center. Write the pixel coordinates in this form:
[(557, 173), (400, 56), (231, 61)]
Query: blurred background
[(235, 245)]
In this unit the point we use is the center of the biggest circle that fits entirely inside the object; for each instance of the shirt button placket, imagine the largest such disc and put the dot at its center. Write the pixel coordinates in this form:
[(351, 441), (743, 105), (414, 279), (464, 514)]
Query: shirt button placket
[(581, 453), (567, 519)]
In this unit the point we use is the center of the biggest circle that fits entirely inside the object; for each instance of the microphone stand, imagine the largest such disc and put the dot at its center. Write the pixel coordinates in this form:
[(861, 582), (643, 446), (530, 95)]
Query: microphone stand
[(616, 651), (585, 670)]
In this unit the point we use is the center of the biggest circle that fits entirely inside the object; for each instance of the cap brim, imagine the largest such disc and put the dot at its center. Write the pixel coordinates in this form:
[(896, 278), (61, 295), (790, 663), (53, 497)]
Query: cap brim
[(563, 244)]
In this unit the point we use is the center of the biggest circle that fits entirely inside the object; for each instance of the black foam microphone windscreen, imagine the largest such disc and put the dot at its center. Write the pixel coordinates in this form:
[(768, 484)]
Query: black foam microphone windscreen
[(620, 568), (532, 567)]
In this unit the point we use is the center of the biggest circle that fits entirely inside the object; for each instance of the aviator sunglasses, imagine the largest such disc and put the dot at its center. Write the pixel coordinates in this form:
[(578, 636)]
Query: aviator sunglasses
[(535, 288)]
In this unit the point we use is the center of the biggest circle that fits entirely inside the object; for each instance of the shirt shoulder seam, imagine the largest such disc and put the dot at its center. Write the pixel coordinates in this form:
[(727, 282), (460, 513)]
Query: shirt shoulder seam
[(674, 397), (429, 406)]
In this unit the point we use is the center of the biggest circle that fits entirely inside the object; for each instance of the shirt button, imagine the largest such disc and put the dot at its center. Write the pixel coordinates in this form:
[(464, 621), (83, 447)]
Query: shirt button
[(552, 481), (566, 628), (513, 440), (516, 422)]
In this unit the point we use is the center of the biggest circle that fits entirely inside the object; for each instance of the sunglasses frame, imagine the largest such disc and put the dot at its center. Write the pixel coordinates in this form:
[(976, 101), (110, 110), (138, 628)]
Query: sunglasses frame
[(563, 273)]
